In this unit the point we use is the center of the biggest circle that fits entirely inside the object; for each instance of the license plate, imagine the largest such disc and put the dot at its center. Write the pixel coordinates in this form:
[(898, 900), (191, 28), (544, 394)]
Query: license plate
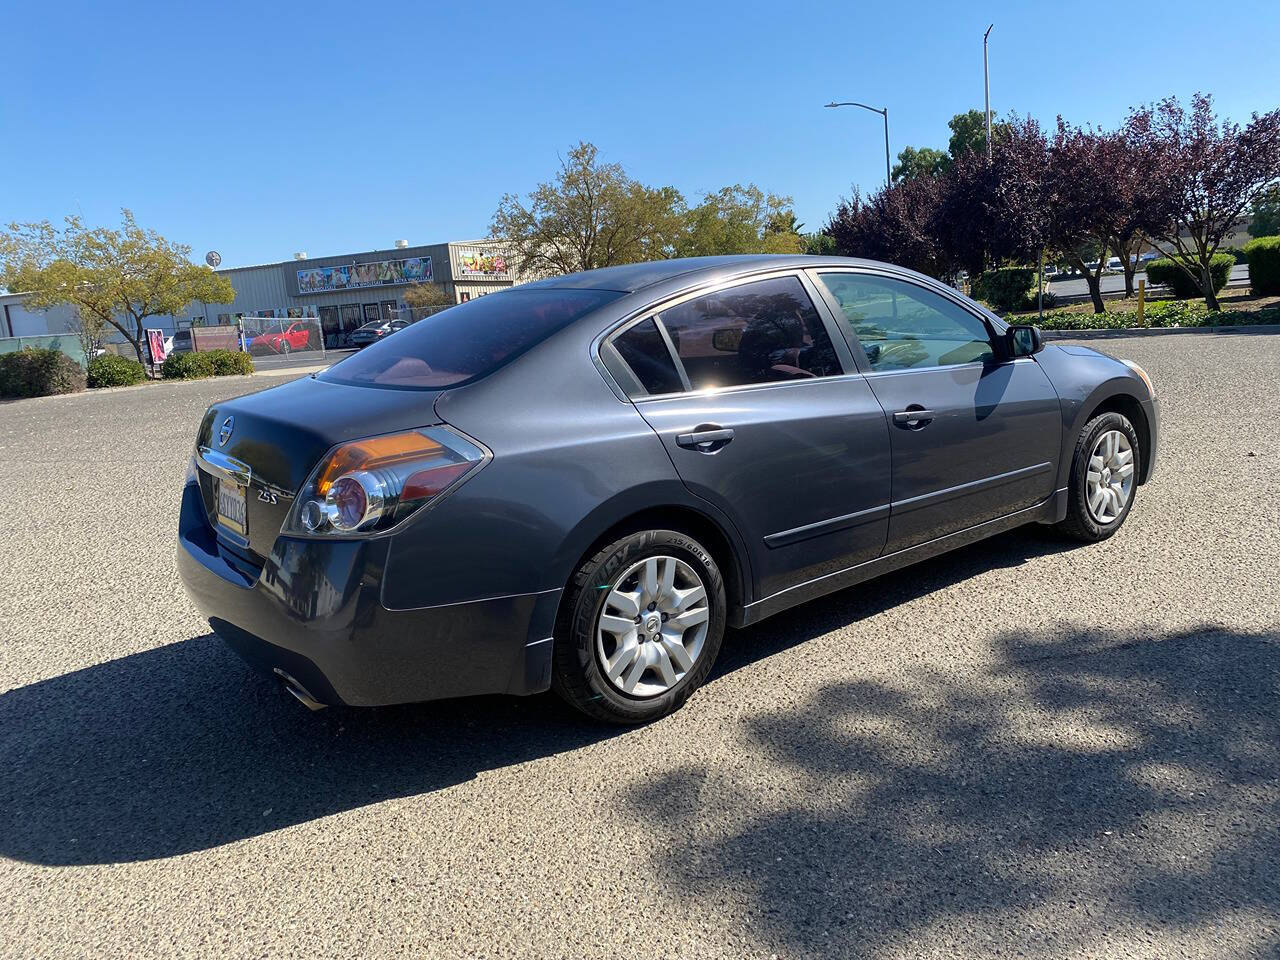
[(232, 512)]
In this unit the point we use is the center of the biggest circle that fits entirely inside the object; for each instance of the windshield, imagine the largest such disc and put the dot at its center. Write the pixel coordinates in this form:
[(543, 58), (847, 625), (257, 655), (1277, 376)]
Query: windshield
[(468, 341)]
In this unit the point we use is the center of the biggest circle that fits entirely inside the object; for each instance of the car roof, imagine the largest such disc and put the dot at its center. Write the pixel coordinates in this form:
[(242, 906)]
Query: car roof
[(634, 277)]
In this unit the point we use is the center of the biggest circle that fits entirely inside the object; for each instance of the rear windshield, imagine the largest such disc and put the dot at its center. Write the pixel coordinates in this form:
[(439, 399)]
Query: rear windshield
[(468, 341)]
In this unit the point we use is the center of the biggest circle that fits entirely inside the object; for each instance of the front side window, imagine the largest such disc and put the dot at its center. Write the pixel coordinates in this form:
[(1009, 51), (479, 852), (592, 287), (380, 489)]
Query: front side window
[(902, 326), (759, 332)]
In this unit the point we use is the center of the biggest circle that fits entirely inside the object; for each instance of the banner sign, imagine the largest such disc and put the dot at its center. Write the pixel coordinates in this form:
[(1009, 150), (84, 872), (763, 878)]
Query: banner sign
[(359, 275), (155, 343), (480, 263)]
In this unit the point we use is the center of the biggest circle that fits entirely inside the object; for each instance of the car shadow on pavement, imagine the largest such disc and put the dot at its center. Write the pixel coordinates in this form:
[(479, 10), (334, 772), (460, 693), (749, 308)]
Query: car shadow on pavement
[(183, 748), (1088, 792)]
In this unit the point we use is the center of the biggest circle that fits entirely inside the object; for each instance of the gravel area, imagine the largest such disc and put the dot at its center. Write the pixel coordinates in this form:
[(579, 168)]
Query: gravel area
[(1025, 748)]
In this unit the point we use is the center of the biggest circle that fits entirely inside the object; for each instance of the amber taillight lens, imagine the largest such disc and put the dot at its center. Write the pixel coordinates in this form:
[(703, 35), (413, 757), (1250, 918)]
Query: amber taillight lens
[(369, 486)]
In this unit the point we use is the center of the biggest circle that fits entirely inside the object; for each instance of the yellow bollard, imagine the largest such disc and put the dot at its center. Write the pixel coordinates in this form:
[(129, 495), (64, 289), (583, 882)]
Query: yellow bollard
[(1142, 300)]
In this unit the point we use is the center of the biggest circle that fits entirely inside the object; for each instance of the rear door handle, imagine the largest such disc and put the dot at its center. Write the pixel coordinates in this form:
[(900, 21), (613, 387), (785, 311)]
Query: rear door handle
[(913, 416), (704, 440)]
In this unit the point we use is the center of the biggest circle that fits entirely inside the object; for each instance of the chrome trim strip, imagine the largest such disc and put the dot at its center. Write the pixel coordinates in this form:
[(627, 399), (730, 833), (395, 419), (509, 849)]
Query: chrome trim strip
[(786, 537), (223, 466)]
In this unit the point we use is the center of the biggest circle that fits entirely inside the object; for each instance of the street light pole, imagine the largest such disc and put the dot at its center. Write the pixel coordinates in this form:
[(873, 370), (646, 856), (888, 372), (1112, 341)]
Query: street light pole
[(986, 84), (884, 112)]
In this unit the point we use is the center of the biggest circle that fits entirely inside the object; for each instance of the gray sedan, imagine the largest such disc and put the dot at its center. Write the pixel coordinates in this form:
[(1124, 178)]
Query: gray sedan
[(580, 483)]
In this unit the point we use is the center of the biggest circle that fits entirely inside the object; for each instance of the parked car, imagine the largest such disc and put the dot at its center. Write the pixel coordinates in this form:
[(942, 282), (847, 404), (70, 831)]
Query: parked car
[(374, 331), (580, 483), (181, 342), (1115, 265), (296, 336)]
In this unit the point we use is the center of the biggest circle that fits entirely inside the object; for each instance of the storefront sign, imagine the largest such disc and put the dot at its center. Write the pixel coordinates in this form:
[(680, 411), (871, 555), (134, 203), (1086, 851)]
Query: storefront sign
[(482, 263), (360, 275)]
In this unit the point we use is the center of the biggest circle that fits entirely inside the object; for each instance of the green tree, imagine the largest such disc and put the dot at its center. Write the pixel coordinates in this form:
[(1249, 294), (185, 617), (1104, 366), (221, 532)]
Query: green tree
[(969, 133), (922, 162), (422, 295), (1266, 213), (740, 219), (592, 215), (117, 277)]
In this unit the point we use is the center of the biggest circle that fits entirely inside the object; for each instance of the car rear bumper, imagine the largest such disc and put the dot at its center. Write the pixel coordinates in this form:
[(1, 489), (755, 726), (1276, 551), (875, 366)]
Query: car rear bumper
[(314, 612)]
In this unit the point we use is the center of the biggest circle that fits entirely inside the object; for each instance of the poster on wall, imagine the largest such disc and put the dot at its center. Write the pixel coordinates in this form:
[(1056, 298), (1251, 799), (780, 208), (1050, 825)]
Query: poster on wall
[(362, 275), (482, 263), (155, 343)]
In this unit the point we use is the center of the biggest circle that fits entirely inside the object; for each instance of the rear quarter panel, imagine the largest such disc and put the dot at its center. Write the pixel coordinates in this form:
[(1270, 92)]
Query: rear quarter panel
[(570, 460)]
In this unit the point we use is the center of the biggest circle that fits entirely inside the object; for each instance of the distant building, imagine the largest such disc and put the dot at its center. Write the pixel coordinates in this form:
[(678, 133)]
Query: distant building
[(341, 292)]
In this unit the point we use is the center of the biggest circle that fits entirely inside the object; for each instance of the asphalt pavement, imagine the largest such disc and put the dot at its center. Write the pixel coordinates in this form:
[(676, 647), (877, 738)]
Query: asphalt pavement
[(1027, 748), (1111, 283)]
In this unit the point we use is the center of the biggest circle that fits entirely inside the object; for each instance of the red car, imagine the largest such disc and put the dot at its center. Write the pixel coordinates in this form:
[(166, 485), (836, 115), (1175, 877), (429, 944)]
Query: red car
[(296, 336)]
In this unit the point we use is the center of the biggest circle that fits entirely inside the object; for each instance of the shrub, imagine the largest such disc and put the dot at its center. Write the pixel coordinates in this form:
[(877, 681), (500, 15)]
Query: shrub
[(1007, 288), (110, 370), (187, 366), (208, 363), (230, 363), (1264, 266), (39, 373), (1184, 288)]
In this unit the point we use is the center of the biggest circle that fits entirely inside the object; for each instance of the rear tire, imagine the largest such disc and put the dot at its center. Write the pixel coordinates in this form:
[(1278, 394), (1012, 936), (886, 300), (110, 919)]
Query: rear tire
[(1104, 478), (640, 627)]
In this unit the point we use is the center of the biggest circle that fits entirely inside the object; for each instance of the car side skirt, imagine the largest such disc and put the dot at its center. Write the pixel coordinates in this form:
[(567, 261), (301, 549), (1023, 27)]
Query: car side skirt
[(1051, 510)]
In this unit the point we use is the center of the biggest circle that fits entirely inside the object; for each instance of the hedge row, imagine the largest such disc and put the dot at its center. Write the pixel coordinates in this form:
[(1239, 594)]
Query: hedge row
[(208, 363), (39, 373), (1264, 266), (111, 370), (1007, 288), (1159, 313), (1184, 288)]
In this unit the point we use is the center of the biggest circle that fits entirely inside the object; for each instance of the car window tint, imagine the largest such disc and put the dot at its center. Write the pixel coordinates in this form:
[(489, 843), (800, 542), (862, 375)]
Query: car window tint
[(757, 332), (902, 326), (647, 355), (467, 341)]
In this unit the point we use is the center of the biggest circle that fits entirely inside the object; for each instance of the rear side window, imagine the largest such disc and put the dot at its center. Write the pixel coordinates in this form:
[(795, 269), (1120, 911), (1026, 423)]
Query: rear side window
[(468, 341), (647, 355), (759, 332)]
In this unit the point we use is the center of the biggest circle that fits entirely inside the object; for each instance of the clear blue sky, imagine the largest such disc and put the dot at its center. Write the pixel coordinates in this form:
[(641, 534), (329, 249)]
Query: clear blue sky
[(261, 129)]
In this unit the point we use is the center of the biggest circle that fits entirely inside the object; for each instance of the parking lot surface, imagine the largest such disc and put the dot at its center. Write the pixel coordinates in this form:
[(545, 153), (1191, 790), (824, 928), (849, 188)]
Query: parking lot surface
[(1026, 748)]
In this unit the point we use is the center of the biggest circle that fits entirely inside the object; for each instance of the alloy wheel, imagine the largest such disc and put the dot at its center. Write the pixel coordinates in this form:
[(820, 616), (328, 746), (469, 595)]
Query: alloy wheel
[(1109, 481), (652, 626)]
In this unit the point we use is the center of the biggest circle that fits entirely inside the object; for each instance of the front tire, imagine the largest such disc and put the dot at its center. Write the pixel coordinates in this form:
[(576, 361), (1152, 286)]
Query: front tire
[(1104, 478), (640, 628)]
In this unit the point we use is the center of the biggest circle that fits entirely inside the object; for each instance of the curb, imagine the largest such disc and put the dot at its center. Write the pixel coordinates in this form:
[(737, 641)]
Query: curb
[(237, 378), (1157, 331)]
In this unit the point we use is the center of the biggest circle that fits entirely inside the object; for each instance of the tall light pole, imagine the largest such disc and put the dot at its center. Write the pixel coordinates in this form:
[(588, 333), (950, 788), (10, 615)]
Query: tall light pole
[(884, 113), (986, 84)]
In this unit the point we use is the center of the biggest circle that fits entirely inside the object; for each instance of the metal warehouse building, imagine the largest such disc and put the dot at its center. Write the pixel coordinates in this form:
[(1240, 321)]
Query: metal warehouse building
[(341, 292)]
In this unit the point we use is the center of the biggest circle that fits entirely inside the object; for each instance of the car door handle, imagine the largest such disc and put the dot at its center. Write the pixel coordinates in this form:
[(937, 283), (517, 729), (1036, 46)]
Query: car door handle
[(913, 416), (706, 440)]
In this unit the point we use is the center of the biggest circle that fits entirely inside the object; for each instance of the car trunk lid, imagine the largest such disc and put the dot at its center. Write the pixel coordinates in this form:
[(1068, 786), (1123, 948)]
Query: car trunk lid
[(275, 438)]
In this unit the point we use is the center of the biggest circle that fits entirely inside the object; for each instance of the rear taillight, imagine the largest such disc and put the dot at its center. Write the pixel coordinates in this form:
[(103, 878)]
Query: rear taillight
[(371, 485)]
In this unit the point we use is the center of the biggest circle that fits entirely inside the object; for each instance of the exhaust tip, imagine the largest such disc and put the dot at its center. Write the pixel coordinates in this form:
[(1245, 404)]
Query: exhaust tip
[(299, 692)]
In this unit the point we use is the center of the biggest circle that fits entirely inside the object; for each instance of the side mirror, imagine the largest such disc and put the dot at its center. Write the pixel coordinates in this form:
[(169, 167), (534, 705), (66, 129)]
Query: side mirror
[(1023, 340)]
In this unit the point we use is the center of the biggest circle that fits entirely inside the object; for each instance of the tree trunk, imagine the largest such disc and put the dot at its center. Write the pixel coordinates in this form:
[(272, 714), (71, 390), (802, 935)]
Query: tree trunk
[(1206, 285), (1092, 279), (1095, 291), (1130, 268)]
